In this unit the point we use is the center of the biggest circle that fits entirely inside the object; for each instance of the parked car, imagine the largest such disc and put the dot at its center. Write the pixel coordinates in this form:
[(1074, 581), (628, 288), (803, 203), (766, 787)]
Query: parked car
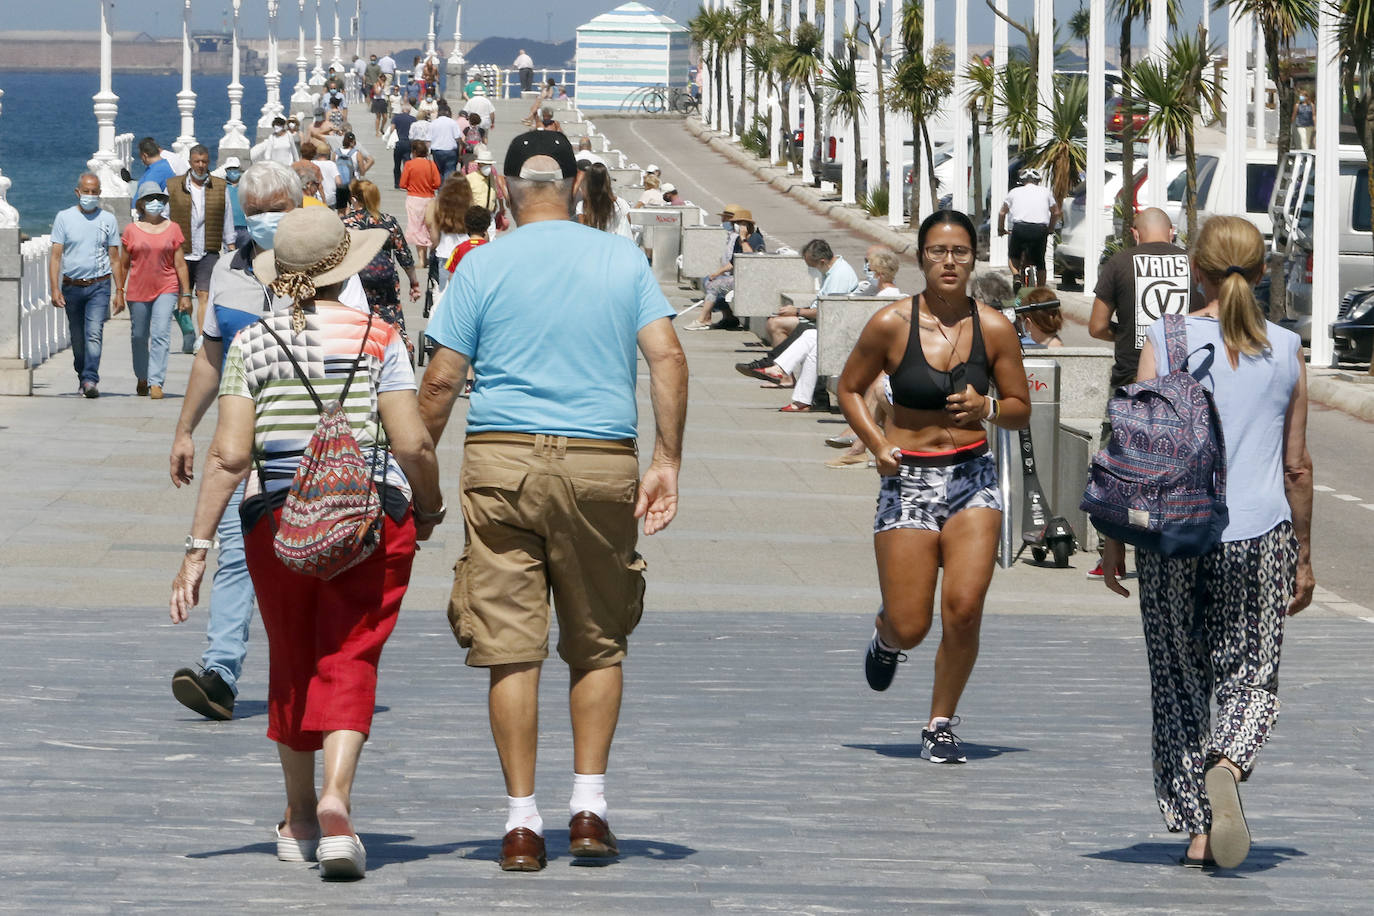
[(1290, 209), (1116, 119), (1352, 333)]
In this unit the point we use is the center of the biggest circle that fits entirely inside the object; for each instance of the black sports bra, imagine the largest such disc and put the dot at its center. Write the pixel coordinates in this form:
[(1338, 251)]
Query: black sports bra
[(916, 385)]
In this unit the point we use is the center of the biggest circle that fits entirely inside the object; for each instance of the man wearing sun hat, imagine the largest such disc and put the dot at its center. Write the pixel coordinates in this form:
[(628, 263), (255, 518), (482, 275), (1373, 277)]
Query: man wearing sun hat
[(550, 473)]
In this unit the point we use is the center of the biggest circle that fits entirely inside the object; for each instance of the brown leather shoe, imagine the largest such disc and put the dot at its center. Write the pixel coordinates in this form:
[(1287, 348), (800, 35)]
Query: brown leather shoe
[(590, 837), (523, 850)]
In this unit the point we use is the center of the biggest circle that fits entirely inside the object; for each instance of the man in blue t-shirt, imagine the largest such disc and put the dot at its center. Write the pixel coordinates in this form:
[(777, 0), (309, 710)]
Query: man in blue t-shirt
[(84, 255), (155, 167), (550, 476)]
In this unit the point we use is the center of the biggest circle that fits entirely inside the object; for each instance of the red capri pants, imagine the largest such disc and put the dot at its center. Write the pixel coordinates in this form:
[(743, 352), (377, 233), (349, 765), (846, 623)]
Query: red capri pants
[(325, 638)]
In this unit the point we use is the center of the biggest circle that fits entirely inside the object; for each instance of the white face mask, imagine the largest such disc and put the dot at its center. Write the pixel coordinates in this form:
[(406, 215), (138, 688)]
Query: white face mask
[(484, 169)]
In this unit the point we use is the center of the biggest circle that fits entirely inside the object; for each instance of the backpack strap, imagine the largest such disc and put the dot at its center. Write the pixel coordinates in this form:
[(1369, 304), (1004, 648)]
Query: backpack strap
[(1176, 341), (300, 373)]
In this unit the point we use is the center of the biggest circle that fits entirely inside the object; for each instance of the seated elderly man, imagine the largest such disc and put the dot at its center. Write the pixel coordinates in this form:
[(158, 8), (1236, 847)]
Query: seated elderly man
[(585, 154), (837, 279), (795, 367)]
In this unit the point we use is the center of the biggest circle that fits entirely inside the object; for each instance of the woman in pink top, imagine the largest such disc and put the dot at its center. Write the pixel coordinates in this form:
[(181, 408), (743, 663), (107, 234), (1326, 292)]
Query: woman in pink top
[(156, 272)]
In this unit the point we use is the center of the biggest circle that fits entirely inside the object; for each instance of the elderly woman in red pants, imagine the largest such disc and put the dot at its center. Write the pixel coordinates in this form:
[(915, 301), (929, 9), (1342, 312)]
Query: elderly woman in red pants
[(325, 635)]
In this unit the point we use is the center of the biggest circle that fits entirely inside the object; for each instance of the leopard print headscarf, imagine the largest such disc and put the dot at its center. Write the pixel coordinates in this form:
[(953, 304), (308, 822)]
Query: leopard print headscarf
[(298, 283)]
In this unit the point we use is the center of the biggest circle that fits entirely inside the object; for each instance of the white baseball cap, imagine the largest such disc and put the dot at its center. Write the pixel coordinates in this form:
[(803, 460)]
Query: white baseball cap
[(653, 168)]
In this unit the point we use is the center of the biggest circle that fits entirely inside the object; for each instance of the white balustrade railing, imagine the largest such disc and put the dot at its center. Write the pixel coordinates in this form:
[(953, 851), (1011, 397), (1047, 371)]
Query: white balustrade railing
[(508, 81), (124, 150), (42, 328)]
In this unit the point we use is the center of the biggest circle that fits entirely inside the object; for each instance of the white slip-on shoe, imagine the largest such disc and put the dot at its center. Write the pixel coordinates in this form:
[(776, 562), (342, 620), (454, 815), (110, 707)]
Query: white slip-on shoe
[(1230, 836), (290, 849), (341, 858)]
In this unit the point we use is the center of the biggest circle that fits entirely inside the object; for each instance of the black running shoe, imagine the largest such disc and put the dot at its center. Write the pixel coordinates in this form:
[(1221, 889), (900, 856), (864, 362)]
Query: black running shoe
[(941, 745), (204, 692), (880, 665)]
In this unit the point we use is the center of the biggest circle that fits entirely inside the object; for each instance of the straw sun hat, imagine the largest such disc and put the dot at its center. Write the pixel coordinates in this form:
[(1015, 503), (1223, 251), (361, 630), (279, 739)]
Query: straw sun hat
[(313, 249)]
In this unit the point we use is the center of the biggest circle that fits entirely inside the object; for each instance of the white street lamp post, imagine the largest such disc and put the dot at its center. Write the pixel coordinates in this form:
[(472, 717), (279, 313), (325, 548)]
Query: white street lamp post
[(962, 128), (317, 75), (873, 177), (300, 96), (997, 245), (456, 63), (1261, 78), (105, 163), (235, 141), (271, 106), (1157, 185), (1326, 291), (9, 217), (431, 38), (337, 63), (896, 124), (849, 161), (186, 99), (1097, 140), (1237, 44)]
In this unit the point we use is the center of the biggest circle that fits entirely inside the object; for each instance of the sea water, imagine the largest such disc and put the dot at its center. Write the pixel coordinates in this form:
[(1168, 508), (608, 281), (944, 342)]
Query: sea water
[(48, 128)]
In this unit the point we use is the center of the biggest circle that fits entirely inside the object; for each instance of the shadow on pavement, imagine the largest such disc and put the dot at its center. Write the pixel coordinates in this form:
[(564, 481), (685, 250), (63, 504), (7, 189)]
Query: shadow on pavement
[(911, 751), (556, 842), (1261, 858), (382, 849)]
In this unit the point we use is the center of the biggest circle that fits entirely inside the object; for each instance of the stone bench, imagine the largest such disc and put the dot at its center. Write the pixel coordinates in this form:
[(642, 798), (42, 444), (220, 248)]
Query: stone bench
[(660, 233), (760, 278), (839, 321), (623, 181), (702, 248)]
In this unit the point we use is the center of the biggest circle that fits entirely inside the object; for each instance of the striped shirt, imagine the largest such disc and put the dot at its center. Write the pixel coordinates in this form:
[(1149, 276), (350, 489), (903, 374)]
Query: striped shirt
[(285, 415)]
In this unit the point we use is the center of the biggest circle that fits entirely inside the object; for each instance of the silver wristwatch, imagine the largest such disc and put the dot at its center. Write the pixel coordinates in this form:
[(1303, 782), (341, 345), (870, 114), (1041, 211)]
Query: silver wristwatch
[(194, 543)]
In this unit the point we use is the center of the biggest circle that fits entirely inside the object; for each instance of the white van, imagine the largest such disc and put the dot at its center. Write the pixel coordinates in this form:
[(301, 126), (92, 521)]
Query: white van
[(1290, 208), (1260, 174)]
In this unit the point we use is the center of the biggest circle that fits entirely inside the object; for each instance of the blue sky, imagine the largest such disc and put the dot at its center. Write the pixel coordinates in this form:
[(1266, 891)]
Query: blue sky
[(481, 18)]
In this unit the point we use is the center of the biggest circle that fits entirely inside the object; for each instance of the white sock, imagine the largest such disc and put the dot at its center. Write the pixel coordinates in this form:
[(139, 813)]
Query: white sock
[(523, 812), (589, 794), (936, 722), (882, 645)]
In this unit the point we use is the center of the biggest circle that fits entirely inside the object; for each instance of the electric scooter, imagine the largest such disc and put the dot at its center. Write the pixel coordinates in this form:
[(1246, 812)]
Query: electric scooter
[(1043, 532)]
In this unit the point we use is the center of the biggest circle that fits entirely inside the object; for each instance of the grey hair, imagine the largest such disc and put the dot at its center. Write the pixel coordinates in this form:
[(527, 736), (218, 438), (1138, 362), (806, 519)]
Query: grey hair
[(87, 174), (817, 250), (884, 263), (266, 180), (198, 148), (991, 287), (584, 144), (546, 113), (525, 193)]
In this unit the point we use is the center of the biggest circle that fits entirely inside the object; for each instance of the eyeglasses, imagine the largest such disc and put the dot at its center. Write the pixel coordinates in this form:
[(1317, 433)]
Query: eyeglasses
[(962, 253)]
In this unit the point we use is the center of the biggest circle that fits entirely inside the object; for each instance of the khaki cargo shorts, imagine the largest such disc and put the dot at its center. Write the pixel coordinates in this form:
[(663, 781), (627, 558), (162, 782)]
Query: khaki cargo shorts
[(547, 515)]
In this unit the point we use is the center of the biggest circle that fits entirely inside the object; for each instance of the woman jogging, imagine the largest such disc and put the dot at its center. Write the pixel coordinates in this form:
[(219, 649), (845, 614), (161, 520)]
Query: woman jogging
[(938, 502)]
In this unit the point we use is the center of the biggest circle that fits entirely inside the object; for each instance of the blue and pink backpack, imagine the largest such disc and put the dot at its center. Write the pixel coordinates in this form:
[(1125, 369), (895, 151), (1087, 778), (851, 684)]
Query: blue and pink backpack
[(1160, 484)]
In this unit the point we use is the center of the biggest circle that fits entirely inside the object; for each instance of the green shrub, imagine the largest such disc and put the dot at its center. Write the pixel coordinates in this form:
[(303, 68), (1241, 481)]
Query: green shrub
[(875, 201)]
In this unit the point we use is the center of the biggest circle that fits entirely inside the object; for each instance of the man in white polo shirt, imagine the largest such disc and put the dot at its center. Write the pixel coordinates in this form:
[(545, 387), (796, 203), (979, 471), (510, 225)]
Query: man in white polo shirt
[(1033, 211)]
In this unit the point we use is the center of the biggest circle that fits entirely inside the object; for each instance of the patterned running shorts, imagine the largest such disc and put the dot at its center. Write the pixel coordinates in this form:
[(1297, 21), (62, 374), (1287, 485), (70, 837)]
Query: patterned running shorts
[(927, 498)]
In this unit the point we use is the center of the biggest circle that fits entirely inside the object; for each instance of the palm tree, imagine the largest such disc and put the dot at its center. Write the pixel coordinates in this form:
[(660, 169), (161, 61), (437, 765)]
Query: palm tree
[(1016, 92), (1127, 12), (745, 22), (1065, 151), (708, 32), (1079, 24), (799, 63), (921, 86), (1281, 21), (982, 81), (1176, 91), (846, 95)]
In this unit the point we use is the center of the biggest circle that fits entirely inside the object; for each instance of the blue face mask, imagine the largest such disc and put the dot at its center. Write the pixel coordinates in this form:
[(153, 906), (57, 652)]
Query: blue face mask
[(154, 208), (727, 225), (263, 228), (232, 175), (199, 174), (88, 202)]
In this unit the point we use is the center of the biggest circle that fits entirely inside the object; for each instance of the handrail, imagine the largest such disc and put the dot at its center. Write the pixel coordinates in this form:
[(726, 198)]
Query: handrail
[(42, 328)]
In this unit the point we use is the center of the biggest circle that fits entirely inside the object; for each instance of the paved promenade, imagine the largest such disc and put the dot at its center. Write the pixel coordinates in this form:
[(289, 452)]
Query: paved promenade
[(753, 770)]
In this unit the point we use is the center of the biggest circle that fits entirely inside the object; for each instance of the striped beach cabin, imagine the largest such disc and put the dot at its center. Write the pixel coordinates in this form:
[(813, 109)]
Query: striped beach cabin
[(626, 49)]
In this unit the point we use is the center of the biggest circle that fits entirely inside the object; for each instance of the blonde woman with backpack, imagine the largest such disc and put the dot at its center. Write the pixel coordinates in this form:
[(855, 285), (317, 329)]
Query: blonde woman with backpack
[(328, 612), (1214, 624)]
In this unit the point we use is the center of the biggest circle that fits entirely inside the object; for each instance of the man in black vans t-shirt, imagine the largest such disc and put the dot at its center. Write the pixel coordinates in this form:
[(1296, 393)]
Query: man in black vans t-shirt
[(1136, 287)]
